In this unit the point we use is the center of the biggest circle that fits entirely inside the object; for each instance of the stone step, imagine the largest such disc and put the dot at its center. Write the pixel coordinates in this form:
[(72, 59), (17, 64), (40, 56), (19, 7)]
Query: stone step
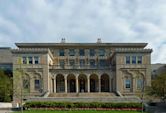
[(87, 99), (82, 94)]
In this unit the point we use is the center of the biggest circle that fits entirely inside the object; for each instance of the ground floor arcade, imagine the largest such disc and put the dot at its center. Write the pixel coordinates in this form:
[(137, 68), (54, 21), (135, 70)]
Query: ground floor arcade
[(80, 83)]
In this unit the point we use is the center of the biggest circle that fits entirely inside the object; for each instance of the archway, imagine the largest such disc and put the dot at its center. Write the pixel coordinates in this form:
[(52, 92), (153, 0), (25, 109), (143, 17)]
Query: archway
[(60, 84), (71, 83), (105, 83), (94, 87), (82, 79)]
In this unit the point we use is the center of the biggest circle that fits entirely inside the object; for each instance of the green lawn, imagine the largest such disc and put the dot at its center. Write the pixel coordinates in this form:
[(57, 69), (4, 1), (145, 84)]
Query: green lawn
[(84, 111)]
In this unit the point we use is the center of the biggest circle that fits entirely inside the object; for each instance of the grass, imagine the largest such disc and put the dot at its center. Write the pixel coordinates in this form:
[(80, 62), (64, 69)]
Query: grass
[(84, 111)]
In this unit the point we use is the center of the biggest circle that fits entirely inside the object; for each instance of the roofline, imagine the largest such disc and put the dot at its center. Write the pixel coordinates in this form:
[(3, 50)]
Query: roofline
[(142, 45)]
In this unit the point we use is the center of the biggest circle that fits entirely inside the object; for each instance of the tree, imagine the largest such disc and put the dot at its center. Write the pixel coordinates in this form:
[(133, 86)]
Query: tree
[(5, 87), (158, 87)]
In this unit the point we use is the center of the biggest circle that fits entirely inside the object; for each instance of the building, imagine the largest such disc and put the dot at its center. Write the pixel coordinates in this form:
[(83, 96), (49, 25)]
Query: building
[(157, 69), (6, 60), (40, 68)]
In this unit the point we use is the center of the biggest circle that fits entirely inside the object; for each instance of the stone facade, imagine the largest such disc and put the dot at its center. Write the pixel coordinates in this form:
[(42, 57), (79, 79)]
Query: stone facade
[(40, 68)]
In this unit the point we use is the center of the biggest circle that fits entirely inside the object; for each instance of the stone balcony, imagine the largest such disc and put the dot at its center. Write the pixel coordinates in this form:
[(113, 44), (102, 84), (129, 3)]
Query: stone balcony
[(79, 67)]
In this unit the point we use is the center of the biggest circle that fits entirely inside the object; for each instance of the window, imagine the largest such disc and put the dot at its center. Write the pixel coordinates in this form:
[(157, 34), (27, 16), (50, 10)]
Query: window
[(30, 60), (133, 59), (37, 84), (127, 59), (101, 52), (139, 59), (82, 52), (36, 60), (71, 62), (92, 52), (82, 62), (127, 83), (139, 83), (62, 63), (61, 52), (102, 63), (92, 63), (71, 52), (25, 84), (24, 60)]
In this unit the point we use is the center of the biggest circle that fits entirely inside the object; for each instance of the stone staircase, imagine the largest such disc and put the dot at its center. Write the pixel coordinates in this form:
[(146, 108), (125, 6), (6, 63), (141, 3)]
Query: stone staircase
[(86, 97), (64, 95)]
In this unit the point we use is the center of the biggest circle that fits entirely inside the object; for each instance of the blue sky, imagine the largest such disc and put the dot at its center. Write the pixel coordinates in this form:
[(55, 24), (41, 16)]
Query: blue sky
[(85, 21)]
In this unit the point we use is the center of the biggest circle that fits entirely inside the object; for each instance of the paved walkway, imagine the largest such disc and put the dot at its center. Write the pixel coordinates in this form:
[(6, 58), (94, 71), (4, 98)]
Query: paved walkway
[(159, 108), (5, 111)]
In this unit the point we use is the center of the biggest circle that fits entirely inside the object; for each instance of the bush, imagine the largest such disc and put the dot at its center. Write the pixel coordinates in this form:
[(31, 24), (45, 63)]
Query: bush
[(80, 105)]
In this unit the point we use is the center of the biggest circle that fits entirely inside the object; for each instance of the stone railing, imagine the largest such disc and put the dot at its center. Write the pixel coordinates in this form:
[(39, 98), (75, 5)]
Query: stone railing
[(79, 67)]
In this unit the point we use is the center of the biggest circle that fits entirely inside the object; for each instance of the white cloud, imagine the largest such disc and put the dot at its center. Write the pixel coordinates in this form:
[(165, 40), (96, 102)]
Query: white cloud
[(85, 21)]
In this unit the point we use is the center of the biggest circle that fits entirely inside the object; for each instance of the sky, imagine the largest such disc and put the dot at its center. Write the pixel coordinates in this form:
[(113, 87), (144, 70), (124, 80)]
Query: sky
[(84, 21)]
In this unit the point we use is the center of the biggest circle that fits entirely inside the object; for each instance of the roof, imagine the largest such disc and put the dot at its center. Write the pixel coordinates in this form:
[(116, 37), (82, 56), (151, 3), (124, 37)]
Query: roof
[(48, 45)]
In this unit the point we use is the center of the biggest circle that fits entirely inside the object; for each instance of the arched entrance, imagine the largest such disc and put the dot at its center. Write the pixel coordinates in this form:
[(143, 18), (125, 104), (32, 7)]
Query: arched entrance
[(60, 84), (82, 79), (105, 83), (94, 83), (71, 83)]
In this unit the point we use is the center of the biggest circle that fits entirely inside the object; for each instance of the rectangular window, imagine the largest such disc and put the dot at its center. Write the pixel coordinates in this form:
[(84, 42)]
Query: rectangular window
[(36, 60), (102, 63), (82, 62), (71, 52), (139, 83), (30, 60), (37, 84), (92, 63), (62, 63), (92, 52), (61, 52), (133, 59), (139, 60), (127, 59), (71, 62), (24, 60), (82, 52), (101, 52), (127, 83)]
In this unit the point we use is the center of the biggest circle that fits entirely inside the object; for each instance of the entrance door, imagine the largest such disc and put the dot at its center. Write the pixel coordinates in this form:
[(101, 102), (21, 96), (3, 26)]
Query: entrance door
[(72, 85), (82, 85), (92, 85)]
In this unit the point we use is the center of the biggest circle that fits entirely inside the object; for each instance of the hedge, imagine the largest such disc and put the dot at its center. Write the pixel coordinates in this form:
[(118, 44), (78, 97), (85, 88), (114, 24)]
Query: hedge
[(80, 105)]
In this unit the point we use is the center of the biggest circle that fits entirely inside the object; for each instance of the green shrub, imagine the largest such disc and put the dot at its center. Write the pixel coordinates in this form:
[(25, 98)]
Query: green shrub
[(80, 105)]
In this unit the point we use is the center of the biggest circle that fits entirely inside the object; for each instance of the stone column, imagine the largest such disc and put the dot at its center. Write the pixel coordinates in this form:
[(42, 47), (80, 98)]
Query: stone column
[(55, 84), (99, 83), (88, 80), (65, 83), (77, 84)]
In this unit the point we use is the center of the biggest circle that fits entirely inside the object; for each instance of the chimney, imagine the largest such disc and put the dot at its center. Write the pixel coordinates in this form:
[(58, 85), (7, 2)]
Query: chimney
[(63, 40), (99, 40)]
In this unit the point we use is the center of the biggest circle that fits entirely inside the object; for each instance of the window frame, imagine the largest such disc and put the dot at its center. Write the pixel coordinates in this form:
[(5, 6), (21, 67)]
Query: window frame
[(61, 52), (134, 60), (127, 80), (37, 86), (127, 59), (71, 52)]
